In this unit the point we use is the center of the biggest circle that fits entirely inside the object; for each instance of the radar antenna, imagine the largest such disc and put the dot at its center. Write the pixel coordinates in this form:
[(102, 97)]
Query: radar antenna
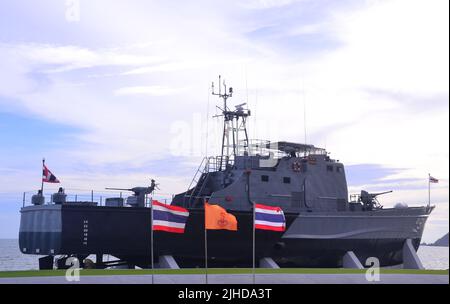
[(235, 123)]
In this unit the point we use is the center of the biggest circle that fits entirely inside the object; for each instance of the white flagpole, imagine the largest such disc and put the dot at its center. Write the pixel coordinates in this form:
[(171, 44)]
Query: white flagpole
[(151, 241), (206, 255), (254, 217), (429, 190), (206, 247), (42, 176)]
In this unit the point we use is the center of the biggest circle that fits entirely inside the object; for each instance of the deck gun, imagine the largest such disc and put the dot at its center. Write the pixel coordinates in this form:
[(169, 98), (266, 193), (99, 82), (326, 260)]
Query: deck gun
[(369, 200), (138, 198)]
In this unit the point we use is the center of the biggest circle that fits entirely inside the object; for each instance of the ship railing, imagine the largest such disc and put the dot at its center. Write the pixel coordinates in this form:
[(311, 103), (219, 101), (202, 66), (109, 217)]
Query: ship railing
[(217, 163), (268, 148), (264, 148), (162, 199), (97, 197), (82, 196), (355, 198)]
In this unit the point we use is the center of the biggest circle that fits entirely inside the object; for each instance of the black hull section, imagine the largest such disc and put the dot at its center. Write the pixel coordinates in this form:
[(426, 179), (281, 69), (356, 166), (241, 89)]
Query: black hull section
[(125, 233)]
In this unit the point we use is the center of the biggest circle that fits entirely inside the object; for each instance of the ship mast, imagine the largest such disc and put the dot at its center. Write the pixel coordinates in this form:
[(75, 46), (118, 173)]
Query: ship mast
[(234, 122)]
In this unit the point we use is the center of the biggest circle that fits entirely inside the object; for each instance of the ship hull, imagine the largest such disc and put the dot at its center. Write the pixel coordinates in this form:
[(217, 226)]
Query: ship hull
[(311, 240)]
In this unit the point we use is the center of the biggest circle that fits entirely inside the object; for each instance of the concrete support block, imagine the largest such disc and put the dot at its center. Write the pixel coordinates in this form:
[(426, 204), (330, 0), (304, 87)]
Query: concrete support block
[(410, 258), (268, 263), (46, 263), (168, 262), (350, 260)]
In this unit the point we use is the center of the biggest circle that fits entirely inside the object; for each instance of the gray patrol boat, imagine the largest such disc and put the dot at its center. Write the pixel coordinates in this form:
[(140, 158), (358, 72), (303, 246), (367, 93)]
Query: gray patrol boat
[(325, 227)]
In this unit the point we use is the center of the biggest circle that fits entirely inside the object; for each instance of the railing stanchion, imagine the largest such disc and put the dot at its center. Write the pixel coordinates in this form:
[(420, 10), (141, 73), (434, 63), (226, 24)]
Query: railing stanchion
[(24, 194)]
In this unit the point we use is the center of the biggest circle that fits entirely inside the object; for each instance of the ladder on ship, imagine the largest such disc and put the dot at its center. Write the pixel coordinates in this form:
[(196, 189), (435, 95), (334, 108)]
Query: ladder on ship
[(200, 180)]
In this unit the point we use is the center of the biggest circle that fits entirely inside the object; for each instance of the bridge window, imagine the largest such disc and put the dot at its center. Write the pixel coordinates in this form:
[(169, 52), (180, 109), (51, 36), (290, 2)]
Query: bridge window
[(338, 169), (330, 168), (264, 178), (286, 180)]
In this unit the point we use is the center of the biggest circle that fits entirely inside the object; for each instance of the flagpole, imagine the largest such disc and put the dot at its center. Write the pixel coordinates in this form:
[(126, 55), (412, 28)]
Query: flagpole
[(42, 177), (151, 242), (429, 190), (254, 217), (206, 256), (206, 246)]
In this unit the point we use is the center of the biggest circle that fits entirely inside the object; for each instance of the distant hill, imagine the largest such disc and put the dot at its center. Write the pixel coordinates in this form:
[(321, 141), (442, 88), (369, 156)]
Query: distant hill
[(442, 242)]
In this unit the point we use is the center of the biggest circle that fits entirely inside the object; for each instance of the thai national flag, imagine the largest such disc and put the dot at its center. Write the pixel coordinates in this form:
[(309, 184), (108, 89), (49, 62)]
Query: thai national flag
[(269, 218), (169, 218)]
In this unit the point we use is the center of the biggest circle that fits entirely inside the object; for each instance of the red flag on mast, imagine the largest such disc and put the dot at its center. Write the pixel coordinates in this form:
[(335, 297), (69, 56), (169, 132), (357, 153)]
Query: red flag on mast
[(48, 176)]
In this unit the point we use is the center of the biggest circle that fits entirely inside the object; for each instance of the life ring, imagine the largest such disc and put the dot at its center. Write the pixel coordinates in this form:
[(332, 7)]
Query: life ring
[(296, 166)]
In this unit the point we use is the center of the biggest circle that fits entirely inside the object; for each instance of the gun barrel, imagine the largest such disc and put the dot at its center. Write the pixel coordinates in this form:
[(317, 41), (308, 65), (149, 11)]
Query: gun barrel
[(381, 193), (119, 189)]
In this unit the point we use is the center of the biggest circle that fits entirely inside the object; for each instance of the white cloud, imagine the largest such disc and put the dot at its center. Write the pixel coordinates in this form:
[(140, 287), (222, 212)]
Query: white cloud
[(71, 57), (397, 45), (308, 29), (149, 90), (266, 4)]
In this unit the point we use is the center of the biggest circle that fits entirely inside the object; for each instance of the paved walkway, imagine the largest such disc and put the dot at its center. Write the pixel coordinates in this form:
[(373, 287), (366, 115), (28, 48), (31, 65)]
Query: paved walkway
[(238, 279)]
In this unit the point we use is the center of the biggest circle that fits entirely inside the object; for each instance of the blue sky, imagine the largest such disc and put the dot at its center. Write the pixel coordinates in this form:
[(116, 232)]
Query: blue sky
[(121, 94)]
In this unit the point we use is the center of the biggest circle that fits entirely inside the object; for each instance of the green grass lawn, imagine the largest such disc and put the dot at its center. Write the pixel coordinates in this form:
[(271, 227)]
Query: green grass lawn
[(99, 272)]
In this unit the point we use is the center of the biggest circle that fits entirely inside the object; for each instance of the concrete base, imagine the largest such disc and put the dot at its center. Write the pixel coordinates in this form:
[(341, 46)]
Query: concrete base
[(46, 263), (268, 263), (168, 262), (410, 258), (351, 261)]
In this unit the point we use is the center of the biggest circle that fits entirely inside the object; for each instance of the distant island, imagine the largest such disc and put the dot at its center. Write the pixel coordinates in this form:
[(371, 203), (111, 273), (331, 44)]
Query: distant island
[(442, 242)]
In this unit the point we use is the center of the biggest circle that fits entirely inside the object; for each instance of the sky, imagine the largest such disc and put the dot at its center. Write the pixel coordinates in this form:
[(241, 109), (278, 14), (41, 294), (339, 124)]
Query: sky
[(114, 92)]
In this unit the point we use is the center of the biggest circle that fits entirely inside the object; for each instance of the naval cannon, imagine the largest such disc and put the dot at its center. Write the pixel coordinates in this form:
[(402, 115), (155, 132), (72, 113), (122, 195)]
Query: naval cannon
[(369, 200), (138, 197)]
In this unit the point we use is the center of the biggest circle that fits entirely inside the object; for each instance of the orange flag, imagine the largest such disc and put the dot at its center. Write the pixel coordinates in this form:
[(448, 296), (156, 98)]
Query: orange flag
[(217, 218)]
